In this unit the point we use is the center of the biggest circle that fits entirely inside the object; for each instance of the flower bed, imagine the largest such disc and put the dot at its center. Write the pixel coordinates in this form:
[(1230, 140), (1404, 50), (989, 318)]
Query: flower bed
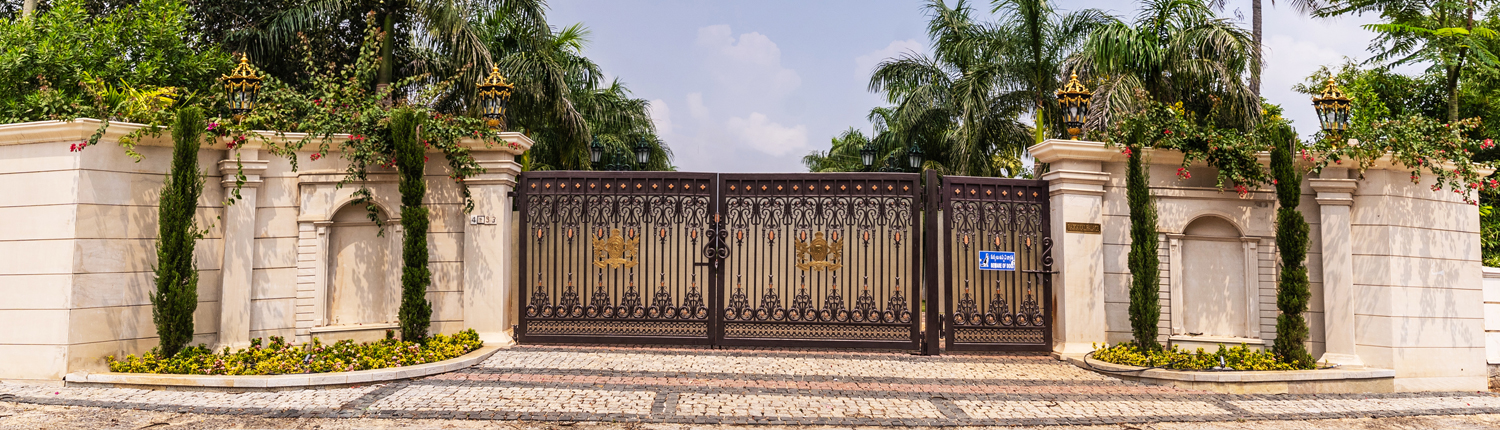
[(1234, 358), (279, 357)]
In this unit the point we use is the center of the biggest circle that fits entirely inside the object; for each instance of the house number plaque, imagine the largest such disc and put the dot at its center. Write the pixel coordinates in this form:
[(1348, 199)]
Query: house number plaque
[(1083, 227), (482, 220)]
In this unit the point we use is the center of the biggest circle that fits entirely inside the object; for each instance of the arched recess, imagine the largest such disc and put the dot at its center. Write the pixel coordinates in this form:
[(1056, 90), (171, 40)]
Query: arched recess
[(360, 286), (1214, 280)]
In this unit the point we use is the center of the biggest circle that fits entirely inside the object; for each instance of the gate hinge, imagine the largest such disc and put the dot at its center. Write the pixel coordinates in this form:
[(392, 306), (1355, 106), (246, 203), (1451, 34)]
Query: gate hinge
[(512, 196)]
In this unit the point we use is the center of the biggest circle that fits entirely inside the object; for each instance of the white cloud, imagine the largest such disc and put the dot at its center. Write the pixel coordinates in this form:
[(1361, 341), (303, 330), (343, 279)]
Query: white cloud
[(696, 107), (750, 63), (864, 65), (760, 133), (661, 116)]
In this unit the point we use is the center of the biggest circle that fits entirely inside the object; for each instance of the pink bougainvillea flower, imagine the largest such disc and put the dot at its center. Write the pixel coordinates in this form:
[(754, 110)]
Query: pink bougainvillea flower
[(315, 156)]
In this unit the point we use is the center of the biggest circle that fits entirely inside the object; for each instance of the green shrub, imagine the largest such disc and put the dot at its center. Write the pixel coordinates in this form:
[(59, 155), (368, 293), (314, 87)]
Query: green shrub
[(411, 160), (176, 295), (1236, 358), (1292, 292), (279, 358), (1144, 264)]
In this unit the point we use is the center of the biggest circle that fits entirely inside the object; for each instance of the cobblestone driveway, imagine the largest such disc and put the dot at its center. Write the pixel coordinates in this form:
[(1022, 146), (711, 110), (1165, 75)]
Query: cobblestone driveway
[(733, 386)]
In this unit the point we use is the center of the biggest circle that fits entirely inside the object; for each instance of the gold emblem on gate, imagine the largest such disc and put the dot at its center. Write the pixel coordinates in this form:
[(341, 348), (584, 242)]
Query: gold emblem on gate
[(615, 251), (819, 254)]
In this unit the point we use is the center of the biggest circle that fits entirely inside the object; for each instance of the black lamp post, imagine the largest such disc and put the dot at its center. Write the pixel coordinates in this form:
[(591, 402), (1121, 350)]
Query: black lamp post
[(596, 151), (914, 157), (1333, 109), (642, 153), (243, 87), (494, 96), (1074, 99), (867, 155)]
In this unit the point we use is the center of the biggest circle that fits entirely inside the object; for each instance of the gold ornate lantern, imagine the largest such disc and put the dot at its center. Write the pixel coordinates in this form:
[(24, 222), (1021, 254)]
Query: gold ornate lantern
[(243, 87), (1074, 99), (1333, 109), (494, 96)]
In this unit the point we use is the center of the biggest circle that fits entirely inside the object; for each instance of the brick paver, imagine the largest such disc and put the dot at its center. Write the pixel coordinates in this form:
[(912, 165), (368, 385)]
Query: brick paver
[(769, 386)]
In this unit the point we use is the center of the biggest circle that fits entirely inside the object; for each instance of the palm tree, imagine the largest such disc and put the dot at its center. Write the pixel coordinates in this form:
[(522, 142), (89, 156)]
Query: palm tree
[(956, 98), (417, 36), (559, 99), (1442, 33), (1176, 51), (1301, 6), (842, 156), (1037, 40)]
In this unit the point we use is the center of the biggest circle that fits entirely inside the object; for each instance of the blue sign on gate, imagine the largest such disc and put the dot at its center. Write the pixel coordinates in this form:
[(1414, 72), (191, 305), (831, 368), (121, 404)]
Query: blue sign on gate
[(997, 260)]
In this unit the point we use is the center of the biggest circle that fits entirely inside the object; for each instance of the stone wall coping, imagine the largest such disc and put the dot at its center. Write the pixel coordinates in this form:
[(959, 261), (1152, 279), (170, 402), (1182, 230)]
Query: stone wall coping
[(82, 128), (1054, 150), (1236, 376), (1492, 272), (261, 382)]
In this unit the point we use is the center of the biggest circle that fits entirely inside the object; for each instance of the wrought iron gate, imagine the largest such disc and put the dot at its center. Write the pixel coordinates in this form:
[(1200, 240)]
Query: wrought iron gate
[(997, 249), (782, 259), (821, 259), (614, 257)]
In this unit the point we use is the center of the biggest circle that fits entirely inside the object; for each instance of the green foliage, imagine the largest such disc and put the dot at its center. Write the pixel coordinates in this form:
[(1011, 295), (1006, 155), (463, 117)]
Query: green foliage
[(1234, 358), (52, 67), (1176, 51), (1292, 291), (1144, 264), (954, 103), (280, 358), (561, 100), (176, 295), (411, 160), (1452, 37)]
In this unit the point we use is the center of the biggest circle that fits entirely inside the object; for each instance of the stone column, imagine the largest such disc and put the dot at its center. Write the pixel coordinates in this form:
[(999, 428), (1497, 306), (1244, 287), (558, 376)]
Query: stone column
[(239, 245), (489, 278), (1077, 196), (1335, 196)]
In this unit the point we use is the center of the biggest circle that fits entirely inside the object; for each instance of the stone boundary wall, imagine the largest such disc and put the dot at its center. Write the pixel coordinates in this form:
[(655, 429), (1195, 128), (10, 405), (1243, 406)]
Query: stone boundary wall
[(76, 256), (1394, 267)]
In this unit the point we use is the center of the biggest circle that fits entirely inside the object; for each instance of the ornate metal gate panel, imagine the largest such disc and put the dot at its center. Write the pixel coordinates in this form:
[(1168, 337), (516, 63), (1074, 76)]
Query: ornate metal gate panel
[(821, 260), (999, 307), (615, 257)]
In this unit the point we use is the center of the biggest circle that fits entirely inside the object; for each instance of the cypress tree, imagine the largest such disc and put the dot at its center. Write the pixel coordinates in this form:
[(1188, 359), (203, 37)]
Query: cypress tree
[(411, 157), (176, 295), (1292, 292), (1144, 264)]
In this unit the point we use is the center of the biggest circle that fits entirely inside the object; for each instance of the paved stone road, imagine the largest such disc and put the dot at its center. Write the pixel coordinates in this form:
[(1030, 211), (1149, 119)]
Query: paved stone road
[(760, 386)]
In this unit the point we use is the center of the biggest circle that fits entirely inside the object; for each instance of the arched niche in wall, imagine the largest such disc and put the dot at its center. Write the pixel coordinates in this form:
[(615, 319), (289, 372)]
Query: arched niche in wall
[(1214, 280), (361, 288)]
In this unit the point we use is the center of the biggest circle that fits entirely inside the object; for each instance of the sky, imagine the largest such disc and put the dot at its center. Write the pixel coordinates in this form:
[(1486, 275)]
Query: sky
[(753, 86)]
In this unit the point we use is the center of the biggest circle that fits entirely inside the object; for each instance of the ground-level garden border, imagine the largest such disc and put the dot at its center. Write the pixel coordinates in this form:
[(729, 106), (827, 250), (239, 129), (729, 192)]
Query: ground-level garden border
[(277, 382), (1341, 380)]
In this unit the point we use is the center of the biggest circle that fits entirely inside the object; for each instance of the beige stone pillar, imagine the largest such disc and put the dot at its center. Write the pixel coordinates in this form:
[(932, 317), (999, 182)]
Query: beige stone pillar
[(1077, 193), (1335, 196), (239, 245), (488, 278)]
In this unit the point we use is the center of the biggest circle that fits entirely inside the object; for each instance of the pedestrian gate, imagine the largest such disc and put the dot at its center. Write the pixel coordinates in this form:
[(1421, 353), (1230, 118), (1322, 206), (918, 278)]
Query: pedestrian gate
[(826, 259)]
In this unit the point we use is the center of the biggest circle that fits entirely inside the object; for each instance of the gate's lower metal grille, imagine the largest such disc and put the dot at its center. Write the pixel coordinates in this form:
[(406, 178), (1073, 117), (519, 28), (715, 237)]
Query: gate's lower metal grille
[(817, 332), (617, 328)]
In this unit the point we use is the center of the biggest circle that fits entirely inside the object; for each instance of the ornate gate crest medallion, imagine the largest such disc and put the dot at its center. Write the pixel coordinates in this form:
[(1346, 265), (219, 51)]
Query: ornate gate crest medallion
[(819, 255), (615, 251)]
